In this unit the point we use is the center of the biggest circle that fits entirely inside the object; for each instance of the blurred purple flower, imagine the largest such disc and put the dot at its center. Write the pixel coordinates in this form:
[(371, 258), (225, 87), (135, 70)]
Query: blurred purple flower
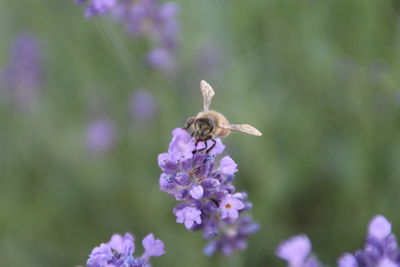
[(145, 19), (143, 106), (160, 58), (232, 237), (297, 252), (209, 202), (22, 77), (381, 248), (97, 7), (100, 135), (119, 252)]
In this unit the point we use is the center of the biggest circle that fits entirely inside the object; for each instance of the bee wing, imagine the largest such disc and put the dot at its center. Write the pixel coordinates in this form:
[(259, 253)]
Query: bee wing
[(244, 128), (207, 92)]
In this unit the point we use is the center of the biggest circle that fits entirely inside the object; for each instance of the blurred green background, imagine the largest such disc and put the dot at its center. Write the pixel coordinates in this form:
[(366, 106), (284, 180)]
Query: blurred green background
[(320, 79)]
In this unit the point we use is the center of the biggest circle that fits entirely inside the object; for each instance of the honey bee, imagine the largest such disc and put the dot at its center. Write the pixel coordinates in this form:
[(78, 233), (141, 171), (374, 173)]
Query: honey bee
[(208, 124)]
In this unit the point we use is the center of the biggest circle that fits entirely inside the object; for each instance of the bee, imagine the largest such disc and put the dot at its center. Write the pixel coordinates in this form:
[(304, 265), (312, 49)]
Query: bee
[(208, 124)]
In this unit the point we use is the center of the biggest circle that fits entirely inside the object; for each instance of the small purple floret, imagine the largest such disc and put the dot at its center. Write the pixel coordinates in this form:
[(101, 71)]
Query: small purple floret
[(188, 216), (296, 251), (230, 207), (227, 166), (197, 192), (181, 146), (123, 245), (152, 247)]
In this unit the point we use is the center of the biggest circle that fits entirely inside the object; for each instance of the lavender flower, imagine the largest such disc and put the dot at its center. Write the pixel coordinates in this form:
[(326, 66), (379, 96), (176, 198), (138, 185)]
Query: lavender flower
[(296, 251), (97, 7), (381, 248), (147, 19), (161, 58), (23, 76), (118, 252), (100, 135), (143, 106), (209, 201)]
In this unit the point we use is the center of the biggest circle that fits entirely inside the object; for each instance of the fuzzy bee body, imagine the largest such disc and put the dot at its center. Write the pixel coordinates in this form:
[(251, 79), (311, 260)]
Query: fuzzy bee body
[(208, 124)]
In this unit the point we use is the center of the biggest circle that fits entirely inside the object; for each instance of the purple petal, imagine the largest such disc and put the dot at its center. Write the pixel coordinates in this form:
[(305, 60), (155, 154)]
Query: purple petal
[(181, 146), (230, 206), (167, 163), (197, 192), (99, 256), (385, 262), (295, 250), (152, 247), (379, 227), (188, 216), (227, 166), (124, 245), (347, 260)]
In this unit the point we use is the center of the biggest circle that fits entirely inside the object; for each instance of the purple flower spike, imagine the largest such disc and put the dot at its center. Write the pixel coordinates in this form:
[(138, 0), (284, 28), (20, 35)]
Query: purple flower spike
[(152, 247), (119, 252), (188, 216), (381, 248), (148, 19), (22, 77), (209, 201)]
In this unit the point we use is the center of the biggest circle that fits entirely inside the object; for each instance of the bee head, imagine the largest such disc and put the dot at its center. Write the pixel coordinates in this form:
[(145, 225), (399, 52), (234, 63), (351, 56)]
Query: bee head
[(203, 127)]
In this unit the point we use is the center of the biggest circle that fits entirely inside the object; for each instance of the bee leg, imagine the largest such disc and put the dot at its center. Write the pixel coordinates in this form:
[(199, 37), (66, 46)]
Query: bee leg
[(205, 144), (195, 147), (189, 123), (212, 146), (204, 148)]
